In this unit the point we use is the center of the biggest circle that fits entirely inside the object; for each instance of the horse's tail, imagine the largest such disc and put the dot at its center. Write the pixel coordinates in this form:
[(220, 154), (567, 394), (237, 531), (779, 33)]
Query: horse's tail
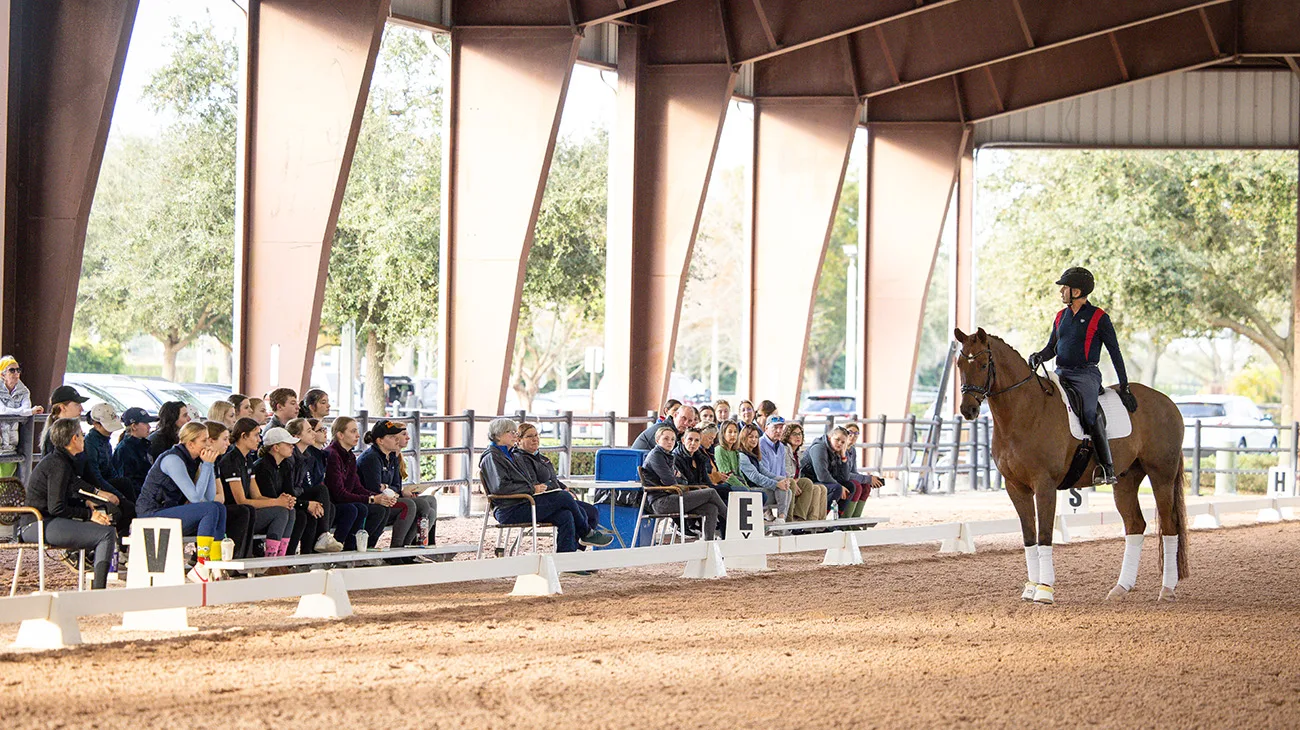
[(1180, 524)]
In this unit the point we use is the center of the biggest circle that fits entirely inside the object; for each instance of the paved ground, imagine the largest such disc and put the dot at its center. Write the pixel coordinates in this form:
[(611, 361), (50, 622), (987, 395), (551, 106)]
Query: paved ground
[(908, 639)]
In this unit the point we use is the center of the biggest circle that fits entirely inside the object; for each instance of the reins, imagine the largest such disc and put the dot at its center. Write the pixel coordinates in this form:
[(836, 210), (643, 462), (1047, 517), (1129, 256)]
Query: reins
[(986, 391)]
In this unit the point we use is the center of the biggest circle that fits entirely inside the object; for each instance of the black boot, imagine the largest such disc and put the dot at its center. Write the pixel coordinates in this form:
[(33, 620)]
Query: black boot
[(1101, 447)]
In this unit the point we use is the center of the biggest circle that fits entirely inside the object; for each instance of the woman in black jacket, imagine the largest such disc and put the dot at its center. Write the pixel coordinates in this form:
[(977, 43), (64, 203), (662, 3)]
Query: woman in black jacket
[(171, 416), (539, 470), (659, 469), (54, 489)]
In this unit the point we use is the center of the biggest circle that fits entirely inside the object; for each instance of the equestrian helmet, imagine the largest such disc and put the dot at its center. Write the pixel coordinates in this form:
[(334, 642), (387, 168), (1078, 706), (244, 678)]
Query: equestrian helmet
[(1077, 277)]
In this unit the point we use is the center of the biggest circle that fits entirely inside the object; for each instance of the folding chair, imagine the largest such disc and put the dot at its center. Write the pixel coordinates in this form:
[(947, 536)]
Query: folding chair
[(40, 547), (532, 528), (663, 521)]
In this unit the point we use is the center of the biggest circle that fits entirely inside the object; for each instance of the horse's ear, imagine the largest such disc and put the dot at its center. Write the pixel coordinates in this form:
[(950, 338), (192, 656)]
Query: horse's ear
[(981, 335), (961, 336)]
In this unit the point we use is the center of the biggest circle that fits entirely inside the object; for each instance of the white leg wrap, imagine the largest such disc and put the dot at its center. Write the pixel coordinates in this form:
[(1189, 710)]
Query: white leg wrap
[(1046, 573), (1128, 572), (1031, 563), (1171, 561)]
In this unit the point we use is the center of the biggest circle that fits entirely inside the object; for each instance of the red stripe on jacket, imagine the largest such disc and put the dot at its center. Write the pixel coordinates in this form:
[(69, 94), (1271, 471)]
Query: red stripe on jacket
[(1057, 323), (1092, 331)]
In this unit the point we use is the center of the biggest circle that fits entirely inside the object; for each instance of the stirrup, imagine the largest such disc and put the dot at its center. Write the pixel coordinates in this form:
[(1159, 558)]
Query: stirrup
[(1101, 477)]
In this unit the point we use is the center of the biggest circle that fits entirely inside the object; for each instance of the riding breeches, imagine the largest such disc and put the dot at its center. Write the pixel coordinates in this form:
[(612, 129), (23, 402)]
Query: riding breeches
[(1086, 383)]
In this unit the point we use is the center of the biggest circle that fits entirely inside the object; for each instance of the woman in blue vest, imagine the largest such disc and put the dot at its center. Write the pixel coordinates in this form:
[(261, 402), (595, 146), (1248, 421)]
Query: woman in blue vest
[(182, 484)]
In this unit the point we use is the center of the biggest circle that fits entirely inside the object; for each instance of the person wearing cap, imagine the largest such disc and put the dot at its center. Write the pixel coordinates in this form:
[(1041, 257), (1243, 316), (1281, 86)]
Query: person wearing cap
[(259, 514), (1078, 334), (15, 400), (131, 457), (770, 446), (98, 468), (275, 483), (313, 514), (54, 489), (182, 483), (379, 470), (65, 402)]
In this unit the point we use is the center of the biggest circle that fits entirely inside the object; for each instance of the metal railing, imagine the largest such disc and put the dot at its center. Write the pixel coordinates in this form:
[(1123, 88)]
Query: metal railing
[(1207, 440)]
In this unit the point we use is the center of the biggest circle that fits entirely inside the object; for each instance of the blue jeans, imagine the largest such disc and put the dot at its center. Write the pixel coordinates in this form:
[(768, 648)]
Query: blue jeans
[(558, 508), (205, 519)]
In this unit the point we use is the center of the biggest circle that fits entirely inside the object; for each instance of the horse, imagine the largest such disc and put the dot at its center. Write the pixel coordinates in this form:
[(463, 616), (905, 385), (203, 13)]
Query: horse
[(1033, 448)]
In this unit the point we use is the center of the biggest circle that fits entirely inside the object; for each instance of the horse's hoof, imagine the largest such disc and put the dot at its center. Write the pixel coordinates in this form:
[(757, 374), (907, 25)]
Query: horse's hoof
[(1117, 593), (1028, 593), (1166, 594), (1044, 594)]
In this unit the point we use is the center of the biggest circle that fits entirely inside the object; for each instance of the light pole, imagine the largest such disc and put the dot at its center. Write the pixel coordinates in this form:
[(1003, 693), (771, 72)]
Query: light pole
[(851, 320)]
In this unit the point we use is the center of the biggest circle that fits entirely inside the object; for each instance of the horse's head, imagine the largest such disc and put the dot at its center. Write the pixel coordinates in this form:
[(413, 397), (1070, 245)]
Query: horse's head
[(975, 364)]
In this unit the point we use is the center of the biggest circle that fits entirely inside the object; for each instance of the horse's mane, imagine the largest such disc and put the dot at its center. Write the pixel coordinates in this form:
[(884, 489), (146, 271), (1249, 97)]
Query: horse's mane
[(999, 340)]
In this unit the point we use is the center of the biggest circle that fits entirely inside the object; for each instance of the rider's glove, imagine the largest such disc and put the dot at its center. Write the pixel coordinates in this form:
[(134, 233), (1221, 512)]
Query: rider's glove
[(1126, 397), (1035, 360)]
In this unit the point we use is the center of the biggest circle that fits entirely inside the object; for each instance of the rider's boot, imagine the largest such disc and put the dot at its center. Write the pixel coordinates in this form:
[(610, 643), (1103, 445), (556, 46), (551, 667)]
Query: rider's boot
[(1101, 446)]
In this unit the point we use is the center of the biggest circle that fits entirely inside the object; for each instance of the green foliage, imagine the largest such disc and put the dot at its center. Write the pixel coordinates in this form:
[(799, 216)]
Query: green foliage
[(88, 357), (826, 339), (160, 243), (1260, 382)]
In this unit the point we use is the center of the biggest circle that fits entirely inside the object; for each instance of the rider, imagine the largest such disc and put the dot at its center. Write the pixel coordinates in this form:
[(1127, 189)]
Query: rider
[(1077, 336)]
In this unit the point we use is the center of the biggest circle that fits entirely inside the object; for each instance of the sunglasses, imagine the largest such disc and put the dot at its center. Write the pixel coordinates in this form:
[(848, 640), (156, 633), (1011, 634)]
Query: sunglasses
[(14, 369)]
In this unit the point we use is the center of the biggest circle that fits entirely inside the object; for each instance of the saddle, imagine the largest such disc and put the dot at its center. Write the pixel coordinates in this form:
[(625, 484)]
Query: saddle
[(1112, 415)]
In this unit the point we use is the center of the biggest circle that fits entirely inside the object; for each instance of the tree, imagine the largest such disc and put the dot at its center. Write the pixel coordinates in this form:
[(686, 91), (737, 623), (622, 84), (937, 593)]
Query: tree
[(383, 268), (160, 244), (826, 339), (1184, 244), (564, 286)]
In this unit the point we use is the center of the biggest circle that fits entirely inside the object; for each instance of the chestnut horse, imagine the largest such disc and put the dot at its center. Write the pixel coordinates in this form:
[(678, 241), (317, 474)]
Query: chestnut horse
[(1033, 448)]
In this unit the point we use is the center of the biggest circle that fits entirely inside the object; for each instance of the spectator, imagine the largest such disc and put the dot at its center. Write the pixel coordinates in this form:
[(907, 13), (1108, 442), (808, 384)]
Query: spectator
[(850, 456), (660, 469), (256, 513), (707, 416), (669, 410), (825, 463), (54, 489), (380, 472), (64, 403), (747, 414), (182, 484), (274, 482), (15, 400), (502, 476), (314, 510), (774, 486), (766, 409), (243, 408), (131, 457), (222, 412), (97, 467), (684, 417), (257, 411), (284, 408), (538, 469), (345, 487), (722, 410), (690, 460), (726, 456), (172, 416), (315, 404), (810, 500)]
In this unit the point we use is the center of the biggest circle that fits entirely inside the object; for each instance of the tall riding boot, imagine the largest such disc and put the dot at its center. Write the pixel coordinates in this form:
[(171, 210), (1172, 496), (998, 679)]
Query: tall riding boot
[(1101, 447)]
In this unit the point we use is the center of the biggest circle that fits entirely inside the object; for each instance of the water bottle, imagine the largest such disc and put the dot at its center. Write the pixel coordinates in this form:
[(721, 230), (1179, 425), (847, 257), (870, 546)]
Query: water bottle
[(363, 541), (227, 549), (835, 511), (423, 537)]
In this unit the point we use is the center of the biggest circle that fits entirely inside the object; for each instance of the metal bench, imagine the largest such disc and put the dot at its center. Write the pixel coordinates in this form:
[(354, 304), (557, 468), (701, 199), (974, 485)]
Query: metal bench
[(349, 556), (826, 524)]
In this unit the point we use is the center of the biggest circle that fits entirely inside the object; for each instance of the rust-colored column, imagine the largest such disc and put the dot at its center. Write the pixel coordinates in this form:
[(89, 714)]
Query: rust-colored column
[(912, 171), (309, 69), (66, 65), (963, 305), (507, 91), (670, 119), (801, 151)]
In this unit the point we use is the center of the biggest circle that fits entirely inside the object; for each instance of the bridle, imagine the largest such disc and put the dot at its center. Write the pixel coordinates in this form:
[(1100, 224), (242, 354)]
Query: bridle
[(983, 392)]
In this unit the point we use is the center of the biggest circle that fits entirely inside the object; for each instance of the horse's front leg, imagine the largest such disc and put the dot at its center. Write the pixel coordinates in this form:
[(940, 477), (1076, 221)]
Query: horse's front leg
[(1045, 501), (1022, 497)]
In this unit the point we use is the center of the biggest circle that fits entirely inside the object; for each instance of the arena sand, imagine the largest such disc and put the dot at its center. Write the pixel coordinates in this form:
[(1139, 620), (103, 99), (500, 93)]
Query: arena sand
[(910, 639)]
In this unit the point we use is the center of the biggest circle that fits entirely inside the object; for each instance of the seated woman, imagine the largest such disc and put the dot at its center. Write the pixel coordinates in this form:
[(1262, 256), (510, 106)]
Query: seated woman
[(53, 489), (502, 476), (722, 410), (275, 482), (182, 484), (311, 447), (222, 412), (726, 456), (345, 488), (131, 457), (810, 500), (775, 488), (766, 409), (248, 512), (660, 470), (312, 514), (538, 469), (708, 416), (825, 463), (747, 414), (172, 415), (425, 535), (850, 457), (380, 473)]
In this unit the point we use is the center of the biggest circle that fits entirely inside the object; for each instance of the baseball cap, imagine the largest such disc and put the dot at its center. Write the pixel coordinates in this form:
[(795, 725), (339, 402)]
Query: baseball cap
[(386, 428), (65, 393), (136, 415), (106, 416), (774, 421), (277, 435)]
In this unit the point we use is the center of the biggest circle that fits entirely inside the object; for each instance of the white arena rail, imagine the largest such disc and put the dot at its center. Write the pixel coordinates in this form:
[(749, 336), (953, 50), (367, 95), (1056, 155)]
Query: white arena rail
[(49, 620)]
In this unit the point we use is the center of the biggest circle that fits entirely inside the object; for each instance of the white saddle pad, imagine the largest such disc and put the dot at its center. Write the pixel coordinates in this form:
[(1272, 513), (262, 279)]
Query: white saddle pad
[(1118, 424)]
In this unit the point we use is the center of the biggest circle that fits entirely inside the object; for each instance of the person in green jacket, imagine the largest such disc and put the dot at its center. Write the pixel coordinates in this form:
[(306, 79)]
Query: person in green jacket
[(726, 455)]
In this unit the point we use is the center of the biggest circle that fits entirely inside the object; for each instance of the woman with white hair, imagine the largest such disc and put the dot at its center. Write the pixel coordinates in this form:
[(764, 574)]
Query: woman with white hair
[(502, 476)]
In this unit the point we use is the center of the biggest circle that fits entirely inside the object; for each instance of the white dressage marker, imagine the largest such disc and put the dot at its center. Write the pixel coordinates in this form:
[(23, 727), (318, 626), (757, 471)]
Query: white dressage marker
[(157, 544), (745, 523)]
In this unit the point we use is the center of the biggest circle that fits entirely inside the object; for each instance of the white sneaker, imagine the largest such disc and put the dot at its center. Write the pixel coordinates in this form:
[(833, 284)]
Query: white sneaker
[(335, 545), (199, 573), (323, 543)]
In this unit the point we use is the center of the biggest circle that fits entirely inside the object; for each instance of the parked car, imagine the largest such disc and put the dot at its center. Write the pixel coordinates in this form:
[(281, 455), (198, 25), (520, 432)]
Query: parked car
[(822, 403), (1226, 421), (166, 390), (124, 389), (209, 393)]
